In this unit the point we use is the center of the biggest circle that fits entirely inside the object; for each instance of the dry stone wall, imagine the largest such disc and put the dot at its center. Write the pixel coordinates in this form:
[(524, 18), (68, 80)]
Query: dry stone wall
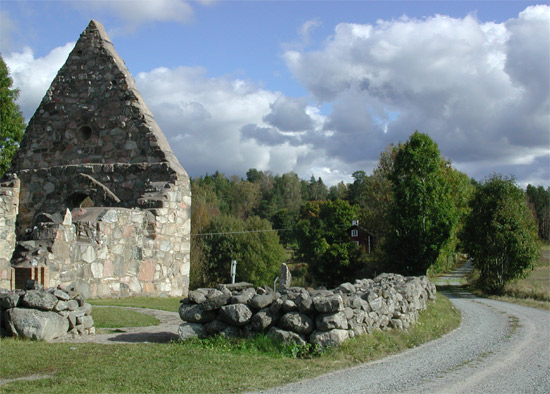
[(324, 317), (44, 314)]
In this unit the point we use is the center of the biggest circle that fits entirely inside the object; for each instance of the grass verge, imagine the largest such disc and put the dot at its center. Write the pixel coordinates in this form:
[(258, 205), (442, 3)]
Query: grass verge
[(213, 366)]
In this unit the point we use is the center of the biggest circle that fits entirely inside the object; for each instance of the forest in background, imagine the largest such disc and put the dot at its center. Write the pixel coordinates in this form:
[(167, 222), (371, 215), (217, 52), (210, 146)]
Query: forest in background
[(232, 219)]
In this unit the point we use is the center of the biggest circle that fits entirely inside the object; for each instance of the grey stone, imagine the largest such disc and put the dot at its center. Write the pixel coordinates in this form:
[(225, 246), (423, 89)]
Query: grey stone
[(72, 305), (285, 337), (61, 306), (264, 319), (330, 321), (332, 338), (61, 295), (215, 327), (375, 302), (9, 300), (231, 332), (289, 306), (194, 313), (235, 314), (39, 299), (333, 303), (260, 301), (305, 303), (215, 301), (244, 297), (191, 330), (296, 322), (285, 278), (197, 296), (36, 324), (346, 288), (277, 305)]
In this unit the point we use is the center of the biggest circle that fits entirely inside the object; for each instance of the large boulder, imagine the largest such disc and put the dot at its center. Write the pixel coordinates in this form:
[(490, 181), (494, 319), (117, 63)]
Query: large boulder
[(296, 322), (36, 324), (39, 299)]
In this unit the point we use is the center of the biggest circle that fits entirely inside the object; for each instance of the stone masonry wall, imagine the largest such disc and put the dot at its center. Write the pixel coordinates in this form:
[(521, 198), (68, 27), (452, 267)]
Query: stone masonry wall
[(93, 149), (9, 202), (324, 317)]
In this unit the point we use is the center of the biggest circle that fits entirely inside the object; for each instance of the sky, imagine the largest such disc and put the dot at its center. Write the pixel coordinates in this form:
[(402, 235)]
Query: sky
[(316, 87)]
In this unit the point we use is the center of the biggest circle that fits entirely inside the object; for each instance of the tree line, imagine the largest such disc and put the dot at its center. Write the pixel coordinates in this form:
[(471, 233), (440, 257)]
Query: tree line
[(423, 214)]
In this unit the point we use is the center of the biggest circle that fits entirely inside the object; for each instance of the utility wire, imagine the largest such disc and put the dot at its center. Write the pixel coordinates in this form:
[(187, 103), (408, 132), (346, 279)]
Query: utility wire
[(240, 232)]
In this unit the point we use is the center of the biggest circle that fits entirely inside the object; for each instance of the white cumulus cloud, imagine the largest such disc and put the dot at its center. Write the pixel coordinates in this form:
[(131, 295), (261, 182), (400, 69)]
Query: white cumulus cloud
[(480, 90)]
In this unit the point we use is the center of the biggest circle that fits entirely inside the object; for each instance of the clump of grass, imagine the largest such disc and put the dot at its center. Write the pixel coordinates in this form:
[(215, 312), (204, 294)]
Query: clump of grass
[(170, 304), (107, 317), (259, 344)]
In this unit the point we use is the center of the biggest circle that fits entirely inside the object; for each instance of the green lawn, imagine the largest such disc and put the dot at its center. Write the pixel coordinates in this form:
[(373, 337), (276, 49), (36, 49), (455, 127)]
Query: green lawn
[(109, 317), (213, 366), (170, 304)]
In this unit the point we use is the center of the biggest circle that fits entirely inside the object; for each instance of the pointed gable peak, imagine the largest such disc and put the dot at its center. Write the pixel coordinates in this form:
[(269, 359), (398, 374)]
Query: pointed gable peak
[(94, 112)]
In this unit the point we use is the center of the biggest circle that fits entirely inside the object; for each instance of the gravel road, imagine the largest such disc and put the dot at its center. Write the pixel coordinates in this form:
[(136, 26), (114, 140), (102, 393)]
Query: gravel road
[(498, 348)]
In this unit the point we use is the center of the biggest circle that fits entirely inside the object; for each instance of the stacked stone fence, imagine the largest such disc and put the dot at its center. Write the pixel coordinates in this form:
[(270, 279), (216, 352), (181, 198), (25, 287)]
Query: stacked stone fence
[(299, 315), (44, 314)]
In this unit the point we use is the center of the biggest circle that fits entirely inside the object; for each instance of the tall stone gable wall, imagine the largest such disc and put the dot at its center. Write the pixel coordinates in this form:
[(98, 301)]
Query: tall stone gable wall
[(93, 147), (9, 202)]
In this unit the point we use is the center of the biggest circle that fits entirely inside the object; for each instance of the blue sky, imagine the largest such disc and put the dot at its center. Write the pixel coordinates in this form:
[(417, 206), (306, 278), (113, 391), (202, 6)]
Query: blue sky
[(315, 87)]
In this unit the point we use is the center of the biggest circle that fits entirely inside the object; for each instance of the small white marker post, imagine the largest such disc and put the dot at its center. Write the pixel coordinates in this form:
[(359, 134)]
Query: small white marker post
[(233, 270)]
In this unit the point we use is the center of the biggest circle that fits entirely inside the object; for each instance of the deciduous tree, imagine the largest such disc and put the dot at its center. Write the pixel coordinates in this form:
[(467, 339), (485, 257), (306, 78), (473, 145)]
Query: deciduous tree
[(12, 123), (324, 241), (422, 213), (257, 250), (500, 233)]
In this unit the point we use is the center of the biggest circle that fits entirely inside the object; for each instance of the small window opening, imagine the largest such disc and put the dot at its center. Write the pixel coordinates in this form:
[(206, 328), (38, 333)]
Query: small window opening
[(79, 200)]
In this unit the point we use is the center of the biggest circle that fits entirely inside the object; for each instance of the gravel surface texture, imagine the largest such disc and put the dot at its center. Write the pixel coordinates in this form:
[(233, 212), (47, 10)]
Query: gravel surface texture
[(498, 348)]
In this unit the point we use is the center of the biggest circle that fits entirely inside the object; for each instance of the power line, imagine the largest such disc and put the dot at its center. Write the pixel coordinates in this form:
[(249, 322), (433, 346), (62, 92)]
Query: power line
[(240, 232)]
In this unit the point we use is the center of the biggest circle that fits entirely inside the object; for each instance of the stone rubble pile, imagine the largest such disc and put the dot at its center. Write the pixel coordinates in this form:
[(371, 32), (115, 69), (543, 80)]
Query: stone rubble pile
[(44, 314), (295, 314)]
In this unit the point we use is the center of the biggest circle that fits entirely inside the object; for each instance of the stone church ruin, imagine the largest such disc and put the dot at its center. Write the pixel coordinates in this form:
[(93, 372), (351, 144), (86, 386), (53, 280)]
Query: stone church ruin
[(95, 198)]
